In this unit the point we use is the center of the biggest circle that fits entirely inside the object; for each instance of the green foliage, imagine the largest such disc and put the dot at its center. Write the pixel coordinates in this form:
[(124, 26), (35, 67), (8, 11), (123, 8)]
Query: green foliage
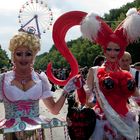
[(4, 60), (83, 50)]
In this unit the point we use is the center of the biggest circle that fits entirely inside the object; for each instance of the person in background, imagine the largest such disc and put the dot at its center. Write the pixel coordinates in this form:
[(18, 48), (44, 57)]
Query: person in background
[(4, 69), (91, 100), (137, 74), (22, 88), (99, 60), (125, 63), (137, 65)]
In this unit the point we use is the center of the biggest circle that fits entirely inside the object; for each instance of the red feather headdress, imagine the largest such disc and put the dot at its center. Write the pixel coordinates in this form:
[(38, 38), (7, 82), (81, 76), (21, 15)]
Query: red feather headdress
[(96, 30)]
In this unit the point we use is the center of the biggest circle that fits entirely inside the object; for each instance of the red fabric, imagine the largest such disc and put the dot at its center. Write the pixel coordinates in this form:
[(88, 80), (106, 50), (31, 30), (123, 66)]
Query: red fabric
[(29, 121), (106, 35), (80, 91), (9, 123), (60, 28), (81, 95), (22, 105), (81, 123), (118, 96)]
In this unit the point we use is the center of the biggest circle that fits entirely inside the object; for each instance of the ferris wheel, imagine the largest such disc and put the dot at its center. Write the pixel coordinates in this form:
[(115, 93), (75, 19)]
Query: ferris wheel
[(35, 17)]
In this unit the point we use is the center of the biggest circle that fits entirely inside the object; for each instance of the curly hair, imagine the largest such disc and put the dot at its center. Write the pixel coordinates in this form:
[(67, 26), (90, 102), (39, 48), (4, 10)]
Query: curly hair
[(24, 39)]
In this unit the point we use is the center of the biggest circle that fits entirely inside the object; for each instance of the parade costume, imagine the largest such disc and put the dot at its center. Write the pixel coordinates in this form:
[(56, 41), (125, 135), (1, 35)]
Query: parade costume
[(113, 86), (115, 121), (22, 107), (22, 88)]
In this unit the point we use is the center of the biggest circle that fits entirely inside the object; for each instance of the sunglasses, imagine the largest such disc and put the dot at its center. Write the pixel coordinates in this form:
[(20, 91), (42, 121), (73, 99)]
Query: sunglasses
[(110, 49), (20, 54)]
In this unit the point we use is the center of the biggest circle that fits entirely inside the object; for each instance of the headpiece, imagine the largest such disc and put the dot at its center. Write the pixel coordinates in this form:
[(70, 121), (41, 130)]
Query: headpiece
[(96, 30), (25, 39), (60, 28)]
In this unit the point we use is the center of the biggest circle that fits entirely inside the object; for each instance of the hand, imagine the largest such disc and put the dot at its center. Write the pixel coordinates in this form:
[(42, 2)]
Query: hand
[(74, 83)]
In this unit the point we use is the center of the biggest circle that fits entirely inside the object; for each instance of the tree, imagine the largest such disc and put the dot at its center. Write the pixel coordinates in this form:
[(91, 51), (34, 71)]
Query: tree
[(4, 60)]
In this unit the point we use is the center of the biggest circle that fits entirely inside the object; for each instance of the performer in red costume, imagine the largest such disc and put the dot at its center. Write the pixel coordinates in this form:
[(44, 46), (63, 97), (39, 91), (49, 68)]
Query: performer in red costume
[(112, 85)]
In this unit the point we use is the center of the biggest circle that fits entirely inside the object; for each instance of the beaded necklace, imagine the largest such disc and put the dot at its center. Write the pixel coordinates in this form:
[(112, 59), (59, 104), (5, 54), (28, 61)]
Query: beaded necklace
[(23, 77), (112, 66)]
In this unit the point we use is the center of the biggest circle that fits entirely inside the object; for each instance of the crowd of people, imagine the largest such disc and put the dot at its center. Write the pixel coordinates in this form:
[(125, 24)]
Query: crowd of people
[(109, 85)]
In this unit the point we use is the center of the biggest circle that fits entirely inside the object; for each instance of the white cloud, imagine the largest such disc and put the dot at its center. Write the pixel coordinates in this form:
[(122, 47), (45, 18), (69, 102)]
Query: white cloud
[(9, 16), (11, 4)]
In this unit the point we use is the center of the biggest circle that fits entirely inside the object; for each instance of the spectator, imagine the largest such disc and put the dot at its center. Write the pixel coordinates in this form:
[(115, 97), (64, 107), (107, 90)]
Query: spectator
[(91, 98), (125, 64), (137, 65), (99, 60)]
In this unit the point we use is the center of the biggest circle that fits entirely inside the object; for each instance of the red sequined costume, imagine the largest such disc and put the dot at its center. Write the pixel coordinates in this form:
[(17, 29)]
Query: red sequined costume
[(116, 88)]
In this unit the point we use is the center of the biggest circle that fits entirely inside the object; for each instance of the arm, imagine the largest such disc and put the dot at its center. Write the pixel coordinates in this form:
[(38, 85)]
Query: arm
[(90, 81), (89, 88), (53, 106)]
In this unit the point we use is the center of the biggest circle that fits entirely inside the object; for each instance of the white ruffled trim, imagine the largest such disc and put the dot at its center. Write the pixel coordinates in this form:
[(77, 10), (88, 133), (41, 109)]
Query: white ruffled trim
[(45, 80), (46, 85), (42, 88), (47, 94)]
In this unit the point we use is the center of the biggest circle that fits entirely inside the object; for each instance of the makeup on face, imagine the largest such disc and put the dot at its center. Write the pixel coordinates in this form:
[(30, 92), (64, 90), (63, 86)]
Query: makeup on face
[(22, 53), (110, 49), (113, 47)]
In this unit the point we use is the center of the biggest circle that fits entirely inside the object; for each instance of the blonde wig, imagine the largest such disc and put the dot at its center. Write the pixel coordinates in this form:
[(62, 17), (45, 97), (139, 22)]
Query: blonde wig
[(24, 39)]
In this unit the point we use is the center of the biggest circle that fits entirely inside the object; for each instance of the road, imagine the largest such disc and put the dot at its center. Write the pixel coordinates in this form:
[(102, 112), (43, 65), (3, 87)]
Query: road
[(58, 133)]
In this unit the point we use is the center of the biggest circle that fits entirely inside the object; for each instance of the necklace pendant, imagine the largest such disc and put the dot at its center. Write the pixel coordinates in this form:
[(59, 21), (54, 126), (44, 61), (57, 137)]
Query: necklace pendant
[(23, 82)]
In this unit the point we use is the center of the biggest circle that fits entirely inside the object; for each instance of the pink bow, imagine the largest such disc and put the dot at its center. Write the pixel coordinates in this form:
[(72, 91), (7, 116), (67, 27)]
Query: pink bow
[(22, 105)]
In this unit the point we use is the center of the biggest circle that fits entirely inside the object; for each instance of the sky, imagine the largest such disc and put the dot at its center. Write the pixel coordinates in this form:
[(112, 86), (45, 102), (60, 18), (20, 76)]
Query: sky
[(9, 11)]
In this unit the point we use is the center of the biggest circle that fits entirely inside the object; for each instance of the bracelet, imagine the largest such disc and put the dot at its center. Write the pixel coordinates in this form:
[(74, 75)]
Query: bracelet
[(65, 94)]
